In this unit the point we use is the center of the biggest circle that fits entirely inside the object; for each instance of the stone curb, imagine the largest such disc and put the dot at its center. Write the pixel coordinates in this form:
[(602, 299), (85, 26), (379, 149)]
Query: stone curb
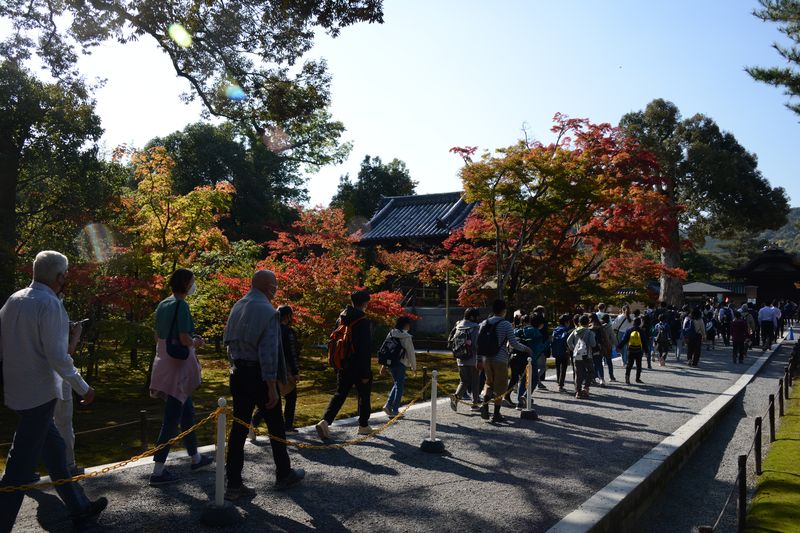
[(617, 506)]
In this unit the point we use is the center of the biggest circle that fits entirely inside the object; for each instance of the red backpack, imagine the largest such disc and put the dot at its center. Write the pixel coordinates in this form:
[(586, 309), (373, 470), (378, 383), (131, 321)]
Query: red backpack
[(340, 346)]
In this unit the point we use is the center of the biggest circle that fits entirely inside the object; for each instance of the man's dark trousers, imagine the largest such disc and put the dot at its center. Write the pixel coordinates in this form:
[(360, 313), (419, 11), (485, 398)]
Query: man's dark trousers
[(346, 378), (249, 391)]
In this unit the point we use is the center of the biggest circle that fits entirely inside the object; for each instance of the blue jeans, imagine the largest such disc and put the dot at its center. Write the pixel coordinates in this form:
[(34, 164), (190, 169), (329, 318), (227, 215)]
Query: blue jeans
[(176, 412), (37, 438), (396, 394)]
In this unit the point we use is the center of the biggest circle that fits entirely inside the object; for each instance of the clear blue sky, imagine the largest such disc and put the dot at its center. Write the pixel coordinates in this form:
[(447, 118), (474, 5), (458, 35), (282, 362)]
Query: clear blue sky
[(442, 73)]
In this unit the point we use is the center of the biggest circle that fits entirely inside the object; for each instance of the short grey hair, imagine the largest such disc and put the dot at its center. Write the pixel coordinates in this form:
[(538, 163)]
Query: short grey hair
[(48, 265)]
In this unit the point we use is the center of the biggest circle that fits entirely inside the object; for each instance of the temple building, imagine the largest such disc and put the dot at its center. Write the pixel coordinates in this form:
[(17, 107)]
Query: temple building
[(772, 275)]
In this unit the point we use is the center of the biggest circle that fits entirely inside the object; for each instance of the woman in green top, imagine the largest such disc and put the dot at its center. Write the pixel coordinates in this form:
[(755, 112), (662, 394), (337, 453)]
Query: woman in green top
[(173, 379)]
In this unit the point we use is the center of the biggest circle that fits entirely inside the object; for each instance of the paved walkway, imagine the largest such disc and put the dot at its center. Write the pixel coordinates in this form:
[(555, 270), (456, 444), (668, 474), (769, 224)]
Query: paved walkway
[(524, 475), (712, 469)]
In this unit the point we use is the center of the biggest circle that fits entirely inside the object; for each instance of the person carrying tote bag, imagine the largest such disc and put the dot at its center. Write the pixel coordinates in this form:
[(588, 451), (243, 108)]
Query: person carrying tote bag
[(176, 374)]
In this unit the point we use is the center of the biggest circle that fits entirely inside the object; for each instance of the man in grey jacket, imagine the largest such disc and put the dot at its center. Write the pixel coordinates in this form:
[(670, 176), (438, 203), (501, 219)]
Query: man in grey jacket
[(253, 338), (496, 367)]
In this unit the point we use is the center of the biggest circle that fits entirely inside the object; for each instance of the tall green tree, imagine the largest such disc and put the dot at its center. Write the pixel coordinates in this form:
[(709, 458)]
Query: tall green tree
[(267, 185), (360, 198), (241, 58), (785, 13), (710, 175), (48, 163)]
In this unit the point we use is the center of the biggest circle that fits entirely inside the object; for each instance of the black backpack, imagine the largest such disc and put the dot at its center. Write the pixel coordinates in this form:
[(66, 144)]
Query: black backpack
[(488, 345), (460, 343), (390, 352)]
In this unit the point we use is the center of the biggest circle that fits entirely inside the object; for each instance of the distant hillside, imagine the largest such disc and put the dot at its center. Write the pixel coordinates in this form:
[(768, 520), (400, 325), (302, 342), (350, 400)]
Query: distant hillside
[(789, 235)]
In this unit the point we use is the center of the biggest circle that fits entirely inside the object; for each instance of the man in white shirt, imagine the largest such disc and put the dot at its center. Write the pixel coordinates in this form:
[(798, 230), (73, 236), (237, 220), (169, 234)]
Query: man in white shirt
[(35, 353)]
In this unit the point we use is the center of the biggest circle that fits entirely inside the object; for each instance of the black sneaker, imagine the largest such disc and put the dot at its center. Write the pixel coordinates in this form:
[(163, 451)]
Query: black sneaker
[(485, 411), (639, 381), (295, 476), (242, 491), (497, 419), (291, 429), (541, 386), (204, 461), (165, 478), (93, 509)]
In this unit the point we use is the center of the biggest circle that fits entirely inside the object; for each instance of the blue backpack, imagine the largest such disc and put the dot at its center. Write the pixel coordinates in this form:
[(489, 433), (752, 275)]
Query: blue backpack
[(689, 333), (559, 345)]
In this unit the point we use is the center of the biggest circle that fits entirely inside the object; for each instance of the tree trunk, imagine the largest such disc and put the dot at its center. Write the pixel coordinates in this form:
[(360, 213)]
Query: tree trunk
[(9, 170), (672, 287)]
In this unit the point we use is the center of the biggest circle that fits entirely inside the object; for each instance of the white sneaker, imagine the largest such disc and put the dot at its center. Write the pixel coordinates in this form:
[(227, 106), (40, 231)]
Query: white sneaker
[(364, 430), (252, 435), (322, 430)]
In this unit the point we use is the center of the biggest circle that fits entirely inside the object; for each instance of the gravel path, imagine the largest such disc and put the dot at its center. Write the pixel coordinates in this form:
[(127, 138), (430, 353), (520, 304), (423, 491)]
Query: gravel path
[(711, 471), (523, 475)]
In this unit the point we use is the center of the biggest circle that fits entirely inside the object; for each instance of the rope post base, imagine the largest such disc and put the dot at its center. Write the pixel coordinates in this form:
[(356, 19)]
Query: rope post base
[(529, 413), (220, 513), (432, 444)]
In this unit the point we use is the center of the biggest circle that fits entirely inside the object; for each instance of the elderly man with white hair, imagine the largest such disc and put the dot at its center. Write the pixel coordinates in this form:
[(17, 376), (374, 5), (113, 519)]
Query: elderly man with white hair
[(253, 338), (35, 346)]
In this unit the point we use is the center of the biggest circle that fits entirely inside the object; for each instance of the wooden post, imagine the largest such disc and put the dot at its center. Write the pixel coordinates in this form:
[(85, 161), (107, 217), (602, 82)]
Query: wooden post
[(771, 418), (447, 301), (780, 397), (786, 383), (757, 445), (143, 429), (742, 480)]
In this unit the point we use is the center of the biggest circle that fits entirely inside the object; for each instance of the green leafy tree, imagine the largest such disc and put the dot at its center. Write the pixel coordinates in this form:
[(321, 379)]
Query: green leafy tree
[(48, 162), (706, 172), (240, 57), (266, 184), (785, 13), (360, 198)]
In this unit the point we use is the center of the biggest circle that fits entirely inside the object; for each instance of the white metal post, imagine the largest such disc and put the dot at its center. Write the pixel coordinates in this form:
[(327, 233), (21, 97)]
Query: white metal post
[(434, 377), (530, 384), (220, 473)]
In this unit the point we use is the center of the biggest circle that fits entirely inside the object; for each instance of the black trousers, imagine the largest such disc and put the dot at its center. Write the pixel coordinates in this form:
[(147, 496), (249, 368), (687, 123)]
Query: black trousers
[(289, 408), (249, 391), (346, 379), (693, 348), (725, 329), (562, 364), (634, 357), (767, 333), (517, 364)]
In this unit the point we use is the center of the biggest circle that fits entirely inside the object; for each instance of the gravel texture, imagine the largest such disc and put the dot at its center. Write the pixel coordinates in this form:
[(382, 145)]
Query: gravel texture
[(696, 495), (523, 475)]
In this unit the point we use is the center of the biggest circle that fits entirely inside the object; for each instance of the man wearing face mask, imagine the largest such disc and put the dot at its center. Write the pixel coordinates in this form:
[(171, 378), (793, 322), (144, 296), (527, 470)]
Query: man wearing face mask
[(253, 337), (35, 346)]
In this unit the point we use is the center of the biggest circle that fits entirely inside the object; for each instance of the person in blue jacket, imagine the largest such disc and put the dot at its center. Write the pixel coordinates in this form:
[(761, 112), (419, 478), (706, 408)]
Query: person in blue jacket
[(532, 336)]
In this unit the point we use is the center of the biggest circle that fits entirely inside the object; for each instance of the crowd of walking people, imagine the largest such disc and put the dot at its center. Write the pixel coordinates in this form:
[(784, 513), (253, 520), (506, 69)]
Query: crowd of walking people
[(590, 341), (492, 355)]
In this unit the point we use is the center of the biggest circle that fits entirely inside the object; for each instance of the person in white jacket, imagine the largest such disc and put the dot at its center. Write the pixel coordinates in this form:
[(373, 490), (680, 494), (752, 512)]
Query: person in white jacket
[(398, 369)]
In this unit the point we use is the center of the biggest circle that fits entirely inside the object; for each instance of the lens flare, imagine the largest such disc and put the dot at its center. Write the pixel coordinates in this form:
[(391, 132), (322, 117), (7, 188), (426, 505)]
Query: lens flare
[(276, 140), (234, 92), (179, 34), (96, 243)]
